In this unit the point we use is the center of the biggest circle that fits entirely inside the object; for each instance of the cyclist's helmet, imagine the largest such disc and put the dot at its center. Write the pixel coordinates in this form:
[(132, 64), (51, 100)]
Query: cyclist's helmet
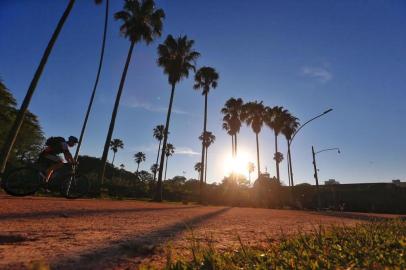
[(73, 139)]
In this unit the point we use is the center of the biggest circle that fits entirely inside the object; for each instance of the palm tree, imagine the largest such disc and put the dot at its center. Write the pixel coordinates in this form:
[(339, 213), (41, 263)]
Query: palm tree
[(139, 157), (170, 150), (205, 78), (15, 129), (276, 118), (290, 127), (116, 144), (177, 58), (89, 107), (141, 22), (154, 168), (198, 168), (251, 168), (207, 139), (159, 135), (12, 135), (254, 115), (232, 120)]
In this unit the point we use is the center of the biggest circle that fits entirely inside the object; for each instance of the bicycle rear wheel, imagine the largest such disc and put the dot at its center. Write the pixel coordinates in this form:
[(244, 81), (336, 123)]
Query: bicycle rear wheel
[(21, 182), (75, 187)]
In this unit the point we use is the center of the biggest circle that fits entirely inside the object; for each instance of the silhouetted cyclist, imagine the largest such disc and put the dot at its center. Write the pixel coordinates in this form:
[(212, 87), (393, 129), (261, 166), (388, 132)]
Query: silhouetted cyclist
[(49, 159)]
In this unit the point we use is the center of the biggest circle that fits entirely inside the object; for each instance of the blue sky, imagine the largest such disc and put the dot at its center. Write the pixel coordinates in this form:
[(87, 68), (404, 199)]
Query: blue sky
[(307, 56)]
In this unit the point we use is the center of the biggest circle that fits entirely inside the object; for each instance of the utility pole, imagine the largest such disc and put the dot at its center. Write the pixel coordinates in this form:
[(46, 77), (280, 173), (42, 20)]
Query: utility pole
[(316, 178)]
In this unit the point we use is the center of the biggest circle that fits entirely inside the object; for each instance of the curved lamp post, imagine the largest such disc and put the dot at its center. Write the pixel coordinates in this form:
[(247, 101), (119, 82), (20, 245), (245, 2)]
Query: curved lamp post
[(316, 177), (293, 136)]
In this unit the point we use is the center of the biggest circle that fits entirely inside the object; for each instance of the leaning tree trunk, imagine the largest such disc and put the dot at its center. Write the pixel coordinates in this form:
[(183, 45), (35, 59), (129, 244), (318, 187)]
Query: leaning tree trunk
[(12, 135), (158, 195), (259, 167), (290, 165), (157, 157), (114, 115), (89, 107), (203, 147), (276, 160)]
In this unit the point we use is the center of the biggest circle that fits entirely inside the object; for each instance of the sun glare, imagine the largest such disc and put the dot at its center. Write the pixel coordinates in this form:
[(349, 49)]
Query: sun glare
[(238, 164)]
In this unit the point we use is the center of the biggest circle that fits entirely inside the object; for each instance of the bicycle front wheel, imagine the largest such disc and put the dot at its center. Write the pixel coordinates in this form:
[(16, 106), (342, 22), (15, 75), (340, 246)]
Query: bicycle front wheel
[(75, 187), (21, 182)]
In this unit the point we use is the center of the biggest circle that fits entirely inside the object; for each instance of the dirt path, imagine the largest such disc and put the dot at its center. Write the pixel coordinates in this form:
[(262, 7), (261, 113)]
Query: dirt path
[(104, 234)]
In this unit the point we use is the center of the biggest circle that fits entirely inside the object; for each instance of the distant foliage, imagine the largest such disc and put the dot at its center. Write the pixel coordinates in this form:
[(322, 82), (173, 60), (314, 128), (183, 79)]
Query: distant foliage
[(30, 139)]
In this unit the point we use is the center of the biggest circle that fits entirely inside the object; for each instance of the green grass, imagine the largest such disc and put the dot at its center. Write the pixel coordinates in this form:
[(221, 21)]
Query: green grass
[(375, 245)]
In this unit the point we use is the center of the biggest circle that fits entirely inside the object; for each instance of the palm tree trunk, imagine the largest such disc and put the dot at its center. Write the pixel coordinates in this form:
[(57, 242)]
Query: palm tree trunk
[(203, 147), (235, 145), (12, 135), (114, 157), (205, 172), (138, 166), (114, 115), (232, 146), (158, 195), (259, 167), (82, 132), (166, 167), (276, 161), (157, 157)]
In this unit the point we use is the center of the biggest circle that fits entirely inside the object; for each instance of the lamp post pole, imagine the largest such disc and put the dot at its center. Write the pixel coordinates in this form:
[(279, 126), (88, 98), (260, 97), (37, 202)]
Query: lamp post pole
[(316, 177), (293, 136)]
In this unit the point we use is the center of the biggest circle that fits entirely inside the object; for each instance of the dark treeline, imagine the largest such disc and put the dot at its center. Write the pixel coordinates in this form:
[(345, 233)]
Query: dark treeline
[(267, 192)]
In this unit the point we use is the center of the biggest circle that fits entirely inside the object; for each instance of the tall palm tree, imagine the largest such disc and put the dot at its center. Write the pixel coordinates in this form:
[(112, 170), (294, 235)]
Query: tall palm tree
[(254, 115), (177, 57), (12, 135), (198, 168), (89, 107), (170, 150), (251, 168), (159, 135), (206, 78), (154, 168), (276, 118), (207, 139), (141, 22), (139, 157), (232, 120), (290, 127), (116, 144)]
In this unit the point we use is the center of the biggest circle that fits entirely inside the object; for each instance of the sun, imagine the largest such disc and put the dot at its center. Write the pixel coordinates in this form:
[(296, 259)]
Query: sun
[(238, 165)]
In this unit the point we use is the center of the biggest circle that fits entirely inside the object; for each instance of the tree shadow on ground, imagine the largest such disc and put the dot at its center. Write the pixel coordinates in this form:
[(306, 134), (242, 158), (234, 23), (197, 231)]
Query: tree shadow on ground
[(361, 216), (108, 257), (70, 213)]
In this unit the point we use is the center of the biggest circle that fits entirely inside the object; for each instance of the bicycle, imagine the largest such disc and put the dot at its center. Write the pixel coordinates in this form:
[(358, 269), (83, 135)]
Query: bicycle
[(28, 180)]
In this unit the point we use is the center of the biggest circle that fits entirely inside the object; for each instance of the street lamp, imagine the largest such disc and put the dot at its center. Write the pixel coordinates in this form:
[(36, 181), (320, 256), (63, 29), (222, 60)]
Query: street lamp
[(316, 177), (293, 136)]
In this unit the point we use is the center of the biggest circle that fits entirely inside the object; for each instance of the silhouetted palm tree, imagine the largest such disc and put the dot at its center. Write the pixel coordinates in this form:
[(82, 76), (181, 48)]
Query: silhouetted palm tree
[(276, 118), (12, 135), (154, 168), (89, 107), (290, 127), (116, 144), (177, 58), (207, 139), (159, 135), (251, 168), (254, 115), (205, 78), (141, 22), (139, 157), (170, 150), (198, 168), (232, 120)]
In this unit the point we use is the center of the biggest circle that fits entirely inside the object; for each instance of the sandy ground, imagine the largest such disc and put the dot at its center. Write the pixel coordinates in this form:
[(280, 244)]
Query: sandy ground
[(105, 234)]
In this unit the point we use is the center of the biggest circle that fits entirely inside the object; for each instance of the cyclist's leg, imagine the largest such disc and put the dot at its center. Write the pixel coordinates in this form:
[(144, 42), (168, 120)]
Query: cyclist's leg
[(50, 163)]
